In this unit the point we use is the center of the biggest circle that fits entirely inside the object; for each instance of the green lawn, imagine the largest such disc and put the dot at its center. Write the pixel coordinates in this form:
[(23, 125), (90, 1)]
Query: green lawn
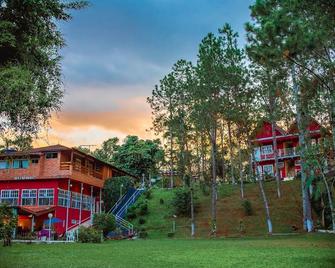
[(290, 251)]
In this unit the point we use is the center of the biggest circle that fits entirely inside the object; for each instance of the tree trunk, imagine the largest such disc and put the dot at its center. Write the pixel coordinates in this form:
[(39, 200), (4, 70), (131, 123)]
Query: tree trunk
[(231, 153), (330, 200), (192, 213), (240, 167), (263, 194), (171, 161), (222, 152), (306, 204), (213, 184), (275, 149)]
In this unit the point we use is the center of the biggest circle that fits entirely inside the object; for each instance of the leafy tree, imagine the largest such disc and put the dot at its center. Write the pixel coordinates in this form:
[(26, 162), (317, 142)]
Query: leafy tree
[(104, 222), (8, 222), (19, 143), (113, 188), (107, 150), (30, 72)]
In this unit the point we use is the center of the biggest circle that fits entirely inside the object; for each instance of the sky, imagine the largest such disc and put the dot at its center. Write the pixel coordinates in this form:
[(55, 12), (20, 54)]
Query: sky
[(117, 51)]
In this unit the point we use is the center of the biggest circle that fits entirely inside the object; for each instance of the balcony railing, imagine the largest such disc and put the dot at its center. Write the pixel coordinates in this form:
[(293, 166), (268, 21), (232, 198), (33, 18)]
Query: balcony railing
[(81, 169), (282, 153)]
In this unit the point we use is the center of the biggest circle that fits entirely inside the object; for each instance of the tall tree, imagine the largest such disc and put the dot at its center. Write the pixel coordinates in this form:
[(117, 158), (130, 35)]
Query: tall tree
[(30, 72)]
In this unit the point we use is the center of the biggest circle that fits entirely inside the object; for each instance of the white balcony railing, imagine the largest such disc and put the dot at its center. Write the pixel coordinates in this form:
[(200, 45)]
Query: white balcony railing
[(282, 153)]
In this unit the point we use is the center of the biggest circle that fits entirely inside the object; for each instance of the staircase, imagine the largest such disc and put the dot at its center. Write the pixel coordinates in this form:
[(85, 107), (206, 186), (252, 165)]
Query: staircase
[(119, 210)]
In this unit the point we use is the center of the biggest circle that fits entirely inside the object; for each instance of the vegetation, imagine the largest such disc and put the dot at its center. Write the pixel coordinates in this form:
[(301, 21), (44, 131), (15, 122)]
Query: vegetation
[(89, 235), (104, 222), (285, 251), (8, 222), (30, 72)]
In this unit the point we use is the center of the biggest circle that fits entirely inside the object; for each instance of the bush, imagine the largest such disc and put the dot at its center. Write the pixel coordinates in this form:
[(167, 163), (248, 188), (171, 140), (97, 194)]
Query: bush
[(148, 194), (104, 222), (205, 189), (246, 204), (143, 234), (89, 235), (182, 202), (161, 201), (143, 209), (170, 234), (131, 213), (141, 221)]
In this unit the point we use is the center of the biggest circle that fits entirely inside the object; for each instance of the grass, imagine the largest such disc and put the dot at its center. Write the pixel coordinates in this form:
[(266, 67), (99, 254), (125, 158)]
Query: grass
[(285, 212), (314, 250)]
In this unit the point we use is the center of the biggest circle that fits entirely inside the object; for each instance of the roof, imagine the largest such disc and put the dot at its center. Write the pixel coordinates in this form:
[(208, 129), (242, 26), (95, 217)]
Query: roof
[(59, 148)]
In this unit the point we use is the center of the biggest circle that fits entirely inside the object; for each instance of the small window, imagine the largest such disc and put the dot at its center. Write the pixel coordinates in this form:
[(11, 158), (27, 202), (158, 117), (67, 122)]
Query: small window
[(20, 163), (268, 169), (51, 155), (4, 164), (267, 149), (34, 161)]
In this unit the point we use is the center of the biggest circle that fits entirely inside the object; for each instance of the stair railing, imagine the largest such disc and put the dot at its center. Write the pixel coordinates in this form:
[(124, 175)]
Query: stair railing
[(130, 201)]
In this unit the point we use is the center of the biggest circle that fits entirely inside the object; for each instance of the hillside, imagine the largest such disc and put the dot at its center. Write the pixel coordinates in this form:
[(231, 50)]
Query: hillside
[(285, 212)]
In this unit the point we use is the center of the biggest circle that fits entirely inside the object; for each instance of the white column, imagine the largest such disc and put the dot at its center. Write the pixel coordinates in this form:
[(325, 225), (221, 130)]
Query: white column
[(81, 201), (68, 205)]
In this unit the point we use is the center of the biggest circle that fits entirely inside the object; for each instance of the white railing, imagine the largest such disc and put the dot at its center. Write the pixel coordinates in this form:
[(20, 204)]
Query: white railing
[(282, 153), (124, 224), (117, 203)]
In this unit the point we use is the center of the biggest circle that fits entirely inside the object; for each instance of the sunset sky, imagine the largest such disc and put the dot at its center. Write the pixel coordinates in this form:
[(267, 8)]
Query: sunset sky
[(117, 51)]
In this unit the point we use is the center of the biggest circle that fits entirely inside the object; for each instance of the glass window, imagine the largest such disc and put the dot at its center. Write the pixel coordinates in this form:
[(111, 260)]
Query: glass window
[(268, 169), (45, 197), (10, 197), (34, 161), (86, 202), (51, 155), (75, 200), (267, 149), (4, 164), (63, 197), (20, 163), (28, 197)]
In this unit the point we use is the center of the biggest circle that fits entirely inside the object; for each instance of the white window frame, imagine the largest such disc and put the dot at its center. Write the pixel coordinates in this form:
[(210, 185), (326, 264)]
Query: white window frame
[(64, 197), (268, 173), (31, 197), (267, 149), (14, 198), (75, 200), (47, 196), (86, 202)]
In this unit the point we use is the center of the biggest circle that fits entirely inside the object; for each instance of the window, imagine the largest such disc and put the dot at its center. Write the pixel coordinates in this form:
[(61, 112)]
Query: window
[(4, 164), (45, 197), (28, 197), (268, 169), (63, 197), (267, 149), (51, 155), (86, 202), (75, 200), (34, 161), (297, 162), (257, 154), (20, 163), (10, 197)]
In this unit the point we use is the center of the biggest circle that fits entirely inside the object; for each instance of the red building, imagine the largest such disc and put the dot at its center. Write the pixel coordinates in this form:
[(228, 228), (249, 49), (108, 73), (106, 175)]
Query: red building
[(287, 142), (55, 179)]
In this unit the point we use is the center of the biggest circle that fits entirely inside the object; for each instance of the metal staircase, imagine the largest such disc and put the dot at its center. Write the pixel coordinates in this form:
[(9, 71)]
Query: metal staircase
[(119, 210)]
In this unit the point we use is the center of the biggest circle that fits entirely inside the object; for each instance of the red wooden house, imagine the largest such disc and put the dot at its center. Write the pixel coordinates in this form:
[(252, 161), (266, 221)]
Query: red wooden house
[(55, 179), (287, 142)]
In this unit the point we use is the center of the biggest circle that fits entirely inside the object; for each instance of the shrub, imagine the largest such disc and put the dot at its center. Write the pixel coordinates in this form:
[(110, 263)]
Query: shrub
[(141, 221), (246, 204), (143, 234), (204, 188), (104, 222), (170, 234), (131, 213), (89, 235), (161, 201), (148, 194), (143, 209), (182, 202)]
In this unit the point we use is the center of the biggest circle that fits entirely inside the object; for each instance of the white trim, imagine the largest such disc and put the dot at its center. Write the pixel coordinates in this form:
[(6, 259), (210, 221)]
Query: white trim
[(36, 199)]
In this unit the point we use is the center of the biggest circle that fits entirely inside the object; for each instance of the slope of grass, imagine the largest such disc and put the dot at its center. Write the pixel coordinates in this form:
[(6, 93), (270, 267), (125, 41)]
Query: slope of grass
[(286, 212), (293, 251)]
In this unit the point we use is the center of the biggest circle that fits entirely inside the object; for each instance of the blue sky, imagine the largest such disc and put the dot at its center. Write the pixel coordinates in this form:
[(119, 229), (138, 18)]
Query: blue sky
[(118, 50)]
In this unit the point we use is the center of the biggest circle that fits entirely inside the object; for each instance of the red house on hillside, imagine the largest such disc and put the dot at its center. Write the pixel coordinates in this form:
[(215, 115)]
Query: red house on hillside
[(287, 142), (55, 179)]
